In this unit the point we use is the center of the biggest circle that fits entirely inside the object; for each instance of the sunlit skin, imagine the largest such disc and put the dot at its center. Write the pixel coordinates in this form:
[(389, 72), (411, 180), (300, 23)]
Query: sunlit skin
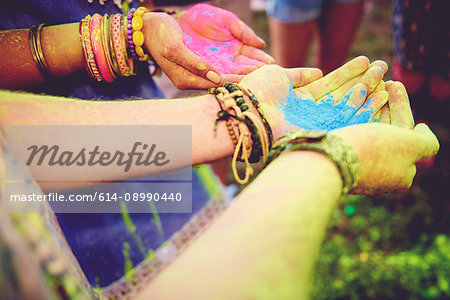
[(163, 39), (357, 78), (219, 37), (264, 245), (283, 214)]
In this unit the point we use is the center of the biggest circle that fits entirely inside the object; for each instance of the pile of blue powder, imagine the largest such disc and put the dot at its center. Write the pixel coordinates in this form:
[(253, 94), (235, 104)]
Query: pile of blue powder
[(326, 115)]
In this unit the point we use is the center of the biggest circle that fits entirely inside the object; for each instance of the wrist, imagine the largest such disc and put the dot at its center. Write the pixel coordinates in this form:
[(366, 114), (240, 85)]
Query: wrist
[(311, 166), (332, 146), (147, 27)]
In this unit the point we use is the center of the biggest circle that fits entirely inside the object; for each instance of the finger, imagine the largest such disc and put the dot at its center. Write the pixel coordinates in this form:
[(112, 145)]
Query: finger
[(257, 54), (244, 60), (375, 102), (376, 117), (235, 78), (381, 87), (182, 78), (340, 91), (337, 78), (428, 145), (372, 78), (241, 69), (409, 178), (302, 76), (385, 114), (178, 53), (380, 63), (401, 114), (244, 33), (353, 100)]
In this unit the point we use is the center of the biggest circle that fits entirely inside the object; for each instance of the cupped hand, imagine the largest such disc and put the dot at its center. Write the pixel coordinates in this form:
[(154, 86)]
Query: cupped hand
[(300, 98), (387, 153), (222, 39), (164, 41)]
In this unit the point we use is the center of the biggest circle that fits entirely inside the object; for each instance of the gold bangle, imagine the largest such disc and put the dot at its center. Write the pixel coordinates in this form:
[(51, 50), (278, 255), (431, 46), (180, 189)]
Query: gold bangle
[(105, 36), (36, 50), (109, 40), (123, 37)]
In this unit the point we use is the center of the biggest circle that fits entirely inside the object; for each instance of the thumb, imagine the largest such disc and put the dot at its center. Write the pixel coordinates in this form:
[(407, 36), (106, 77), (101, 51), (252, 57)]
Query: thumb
[(244, 33), (428, 142), (299, 77), (184, 57)]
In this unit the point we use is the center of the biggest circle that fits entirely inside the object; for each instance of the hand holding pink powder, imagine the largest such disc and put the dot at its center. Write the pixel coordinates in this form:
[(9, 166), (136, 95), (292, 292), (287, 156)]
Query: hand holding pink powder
[(222, 39)]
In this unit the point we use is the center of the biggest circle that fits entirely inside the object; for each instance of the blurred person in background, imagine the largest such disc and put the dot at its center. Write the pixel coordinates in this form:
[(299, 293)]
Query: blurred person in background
[(421, 52), (293, 24)]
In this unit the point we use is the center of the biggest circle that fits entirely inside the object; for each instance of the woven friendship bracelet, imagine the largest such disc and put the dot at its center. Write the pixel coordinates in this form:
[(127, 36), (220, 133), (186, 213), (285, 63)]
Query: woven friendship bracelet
[(328, 144)]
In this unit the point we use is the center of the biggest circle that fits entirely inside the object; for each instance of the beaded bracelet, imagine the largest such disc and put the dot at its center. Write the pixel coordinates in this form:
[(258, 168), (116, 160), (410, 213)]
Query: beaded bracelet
[(123, 41), (138, 36), (131, 47), (256, 104), (256, 149), (109, 44), (251, 131)]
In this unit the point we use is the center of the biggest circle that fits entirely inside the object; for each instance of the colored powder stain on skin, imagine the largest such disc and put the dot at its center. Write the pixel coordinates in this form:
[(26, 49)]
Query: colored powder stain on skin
[(219, 54), (326, 115), (201, 66), (187, 39)]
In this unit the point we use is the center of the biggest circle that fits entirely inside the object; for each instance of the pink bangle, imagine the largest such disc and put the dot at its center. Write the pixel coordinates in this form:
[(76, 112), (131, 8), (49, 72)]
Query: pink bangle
[(118, 51), (97, 47)]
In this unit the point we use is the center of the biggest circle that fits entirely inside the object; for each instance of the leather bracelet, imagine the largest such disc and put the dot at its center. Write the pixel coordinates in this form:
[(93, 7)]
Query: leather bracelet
[(328, 144)]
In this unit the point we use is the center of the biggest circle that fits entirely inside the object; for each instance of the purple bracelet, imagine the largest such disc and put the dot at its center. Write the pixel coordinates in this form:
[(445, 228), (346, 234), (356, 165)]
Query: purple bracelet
[(130, 34)]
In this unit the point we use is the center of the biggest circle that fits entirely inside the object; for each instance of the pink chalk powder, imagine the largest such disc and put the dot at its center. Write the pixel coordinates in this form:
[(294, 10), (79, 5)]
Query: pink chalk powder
[(207, 33)]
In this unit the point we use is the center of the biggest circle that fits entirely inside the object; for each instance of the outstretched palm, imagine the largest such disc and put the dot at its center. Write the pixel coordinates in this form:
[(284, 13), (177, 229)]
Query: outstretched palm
[(222, 39), (294, 98)]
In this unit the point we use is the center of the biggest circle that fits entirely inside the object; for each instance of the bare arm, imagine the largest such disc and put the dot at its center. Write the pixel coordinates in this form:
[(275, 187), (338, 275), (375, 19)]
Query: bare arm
[(198, 112), (61, 49), (265, 244)]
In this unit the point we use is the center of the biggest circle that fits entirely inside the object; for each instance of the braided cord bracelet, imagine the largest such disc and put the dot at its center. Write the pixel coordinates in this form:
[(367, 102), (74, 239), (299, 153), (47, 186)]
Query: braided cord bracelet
[(342, 154)]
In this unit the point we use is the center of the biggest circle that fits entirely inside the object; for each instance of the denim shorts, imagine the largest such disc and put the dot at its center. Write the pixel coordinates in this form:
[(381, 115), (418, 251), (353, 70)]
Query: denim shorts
[(293, 11)]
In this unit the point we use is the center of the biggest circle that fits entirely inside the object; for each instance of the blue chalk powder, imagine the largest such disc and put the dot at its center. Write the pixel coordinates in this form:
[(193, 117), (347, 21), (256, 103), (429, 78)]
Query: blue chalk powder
[(326, 115)]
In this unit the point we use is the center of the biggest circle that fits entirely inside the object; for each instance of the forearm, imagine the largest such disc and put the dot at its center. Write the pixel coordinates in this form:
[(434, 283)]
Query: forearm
[(198, 112), (265, 244), (61, 48)]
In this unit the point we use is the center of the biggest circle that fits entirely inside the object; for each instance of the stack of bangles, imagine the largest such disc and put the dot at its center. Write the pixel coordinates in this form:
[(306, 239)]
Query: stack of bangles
[(251, 134), (110, 45)]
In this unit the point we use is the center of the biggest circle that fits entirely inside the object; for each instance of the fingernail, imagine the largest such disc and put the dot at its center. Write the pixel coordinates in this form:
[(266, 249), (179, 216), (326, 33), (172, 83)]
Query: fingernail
[(213, 76)]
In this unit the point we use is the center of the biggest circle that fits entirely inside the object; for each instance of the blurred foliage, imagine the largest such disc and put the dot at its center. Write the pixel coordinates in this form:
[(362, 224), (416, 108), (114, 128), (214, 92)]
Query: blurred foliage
[(394, 246), (371, 253)]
